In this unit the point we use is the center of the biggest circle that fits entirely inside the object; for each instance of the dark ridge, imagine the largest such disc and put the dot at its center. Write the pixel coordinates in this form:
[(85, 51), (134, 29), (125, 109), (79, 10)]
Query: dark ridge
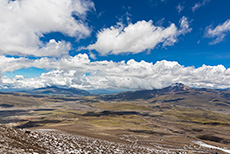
[(7, 121), (64, 99), (6, 105), (111, 113), (214, 139), (154, 101), (44, 110), (173, 100), (148, 132), (31, 124), (197, 130), (221, 104), (8, 113), (216, 123), (116, 113), (6, 93)]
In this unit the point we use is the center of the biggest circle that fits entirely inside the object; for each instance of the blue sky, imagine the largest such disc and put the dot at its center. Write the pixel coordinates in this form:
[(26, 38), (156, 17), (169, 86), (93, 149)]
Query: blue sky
[(115, 44), (192, 49), (113, 11)]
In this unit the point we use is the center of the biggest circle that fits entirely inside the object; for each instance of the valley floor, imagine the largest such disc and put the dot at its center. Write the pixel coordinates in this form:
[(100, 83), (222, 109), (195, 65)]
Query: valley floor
[(93, 125)]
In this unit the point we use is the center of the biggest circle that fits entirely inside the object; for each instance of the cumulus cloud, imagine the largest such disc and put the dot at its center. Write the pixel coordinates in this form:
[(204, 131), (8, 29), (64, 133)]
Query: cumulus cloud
[(138, 37), (200, 4), (24, 22), (80, 72), (19, 82), (10, 64), (219, 32)]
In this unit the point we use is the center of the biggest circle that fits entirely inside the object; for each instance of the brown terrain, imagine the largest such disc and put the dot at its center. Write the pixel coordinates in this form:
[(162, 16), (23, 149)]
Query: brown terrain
[(176, 119)]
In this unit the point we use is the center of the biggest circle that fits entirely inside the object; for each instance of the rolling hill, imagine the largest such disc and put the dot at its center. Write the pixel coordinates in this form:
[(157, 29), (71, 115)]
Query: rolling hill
[(178, 94)]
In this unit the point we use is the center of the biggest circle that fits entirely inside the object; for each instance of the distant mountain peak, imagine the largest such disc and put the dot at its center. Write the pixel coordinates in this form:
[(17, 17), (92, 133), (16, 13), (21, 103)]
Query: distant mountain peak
[(177, 87), (50, 87)]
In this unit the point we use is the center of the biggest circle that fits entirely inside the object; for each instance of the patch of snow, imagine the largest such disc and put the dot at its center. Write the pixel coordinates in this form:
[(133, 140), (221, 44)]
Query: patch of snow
[(211, 146)]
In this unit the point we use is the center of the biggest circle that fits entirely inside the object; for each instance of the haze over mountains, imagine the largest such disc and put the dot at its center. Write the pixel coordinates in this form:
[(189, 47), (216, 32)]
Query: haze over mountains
[(176, 94), (176, 88), (58, 91)]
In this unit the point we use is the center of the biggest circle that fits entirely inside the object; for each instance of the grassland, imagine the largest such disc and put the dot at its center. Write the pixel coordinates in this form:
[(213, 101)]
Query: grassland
[(162, 121)]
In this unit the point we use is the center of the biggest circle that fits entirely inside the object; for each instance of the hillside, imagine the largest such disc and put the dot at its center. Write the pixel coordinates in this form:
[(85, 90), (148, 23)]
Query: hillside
[(11, 99), (178, 94), (17, 141)]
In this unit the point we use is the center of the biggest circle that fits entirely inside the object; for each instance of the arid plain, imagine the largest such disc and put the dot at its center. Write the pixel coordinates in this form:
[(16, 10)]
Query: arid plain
[(174, 119)]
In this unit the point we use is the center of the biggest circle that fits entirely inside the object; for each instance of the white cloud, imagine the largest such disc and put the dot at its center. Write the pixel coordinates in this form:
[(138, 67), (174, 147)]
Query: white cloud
[(80, 72), (200, 4), (92, 55), (24, 22), (53, 49), (64, 63), (180, 8), (19, 82), (12, 64), (184, 26), (219, 32), (136, 38)]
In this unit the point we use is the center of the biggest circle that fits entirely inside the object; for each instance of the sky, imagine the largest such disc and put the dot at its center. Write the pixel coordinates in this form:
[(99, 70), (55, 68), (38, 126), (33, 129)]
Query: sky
[(115, 44)]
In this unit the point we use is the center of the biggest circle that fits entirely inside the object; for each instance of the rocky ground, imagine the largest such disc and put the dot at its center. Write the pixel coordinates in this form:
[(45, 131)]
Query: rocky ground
[(52, 141), (20, 141)]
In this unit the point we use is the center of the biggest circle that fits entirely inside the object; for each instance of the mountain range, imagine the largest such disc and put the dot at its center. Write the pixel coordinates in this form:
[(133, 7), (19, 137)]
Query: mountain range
[(177, 94), (58, 91)]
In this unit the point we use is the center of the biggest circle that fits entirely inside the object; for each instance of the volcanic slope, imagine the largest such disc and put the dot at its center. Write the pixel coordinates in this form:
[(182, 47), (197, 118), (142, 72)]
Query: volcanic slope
[(180, 95)]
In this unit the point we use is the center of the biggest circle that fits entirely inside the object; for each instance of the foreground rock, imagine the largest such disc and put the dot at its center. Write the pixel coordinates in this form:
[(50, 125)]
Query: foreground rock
[(21, 141), (18, 141)]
